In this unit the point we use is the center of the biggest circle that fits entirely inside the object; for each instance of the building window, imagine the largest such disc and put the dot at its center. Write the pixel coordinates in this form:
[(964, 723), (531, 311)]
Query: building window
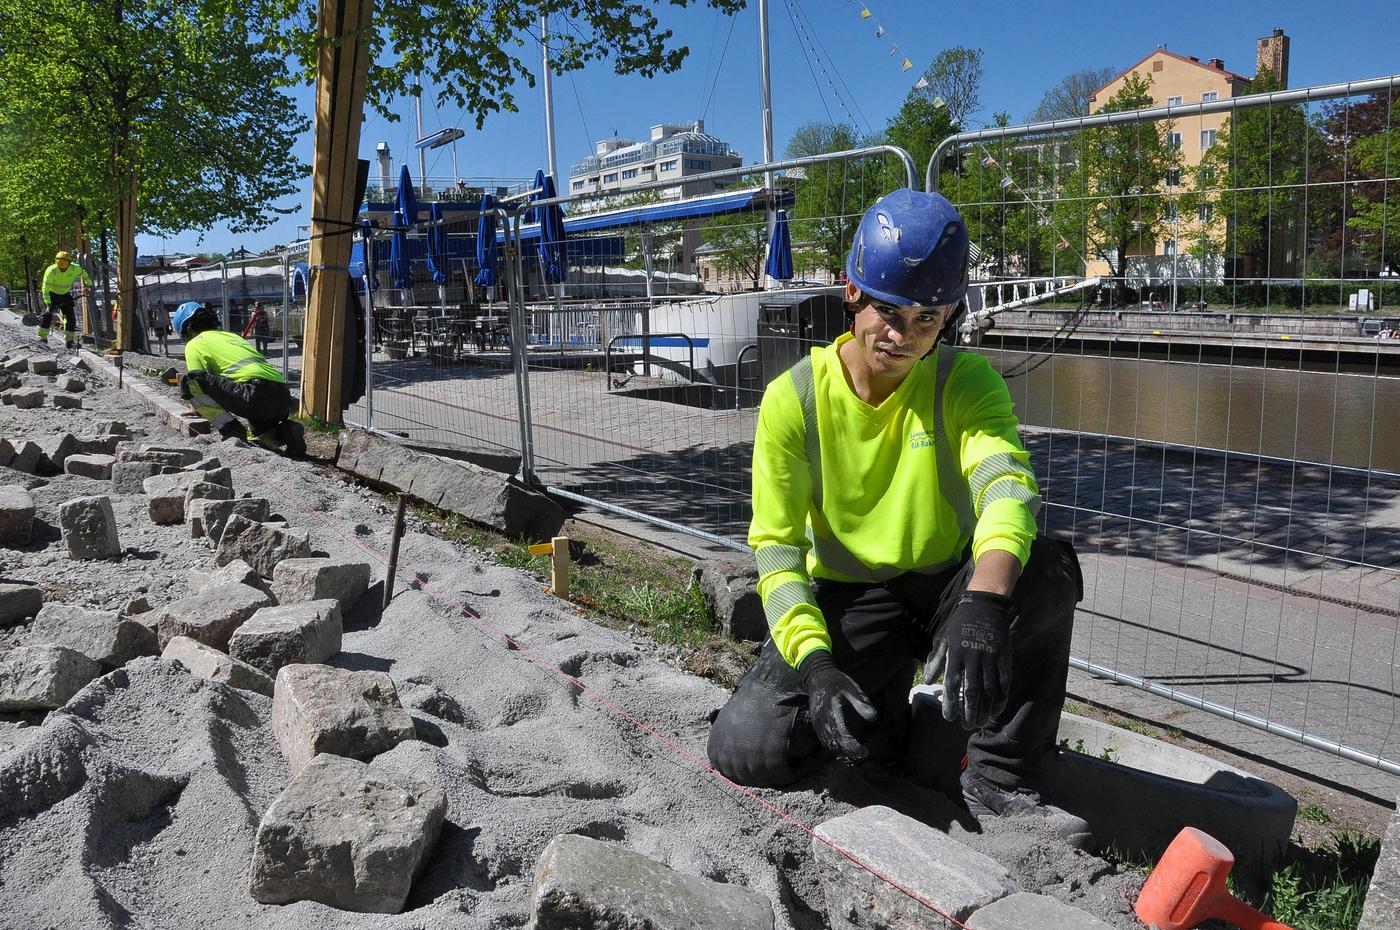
[(629, 173), (1157, 65), (1174, 141), (1171, 212), (669, 165), (1173, 177), (578, 185), (1207, 172), (610, 178), (1208, 138), (1210, 96), (1173, 101), (698, 164), (1169, 247), (1205, 212)]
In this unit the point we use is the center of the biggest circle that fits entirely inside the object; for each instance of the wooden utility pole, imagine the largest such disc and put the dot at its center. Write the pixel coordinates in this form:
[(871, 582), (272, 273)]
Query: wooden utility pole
[(341, 67)]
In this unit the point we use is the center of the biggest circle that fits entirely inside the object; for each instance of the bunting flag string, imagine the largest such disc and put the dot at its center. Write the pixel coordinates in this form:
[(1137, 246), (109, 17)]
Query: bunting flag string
[(905, 62)]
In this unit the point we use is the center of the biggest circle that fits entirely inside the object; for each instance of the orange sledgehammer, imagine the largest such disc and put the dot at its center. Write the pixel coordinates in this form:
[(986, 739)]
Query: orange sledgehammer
[(1188, 888)]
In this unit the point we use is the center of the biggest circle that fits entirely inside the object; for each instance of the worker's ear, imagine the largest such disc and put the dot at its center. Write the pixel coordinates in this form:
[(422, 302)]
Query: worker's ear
[(852, 293)]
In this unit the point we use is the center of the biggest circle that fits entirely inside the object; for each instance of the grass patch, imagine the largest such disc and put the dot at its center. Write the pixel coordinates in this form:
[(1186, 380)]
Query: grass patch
[(317, 424), (620, 584), (1323, 889), (1313, 889), (1314, 813)]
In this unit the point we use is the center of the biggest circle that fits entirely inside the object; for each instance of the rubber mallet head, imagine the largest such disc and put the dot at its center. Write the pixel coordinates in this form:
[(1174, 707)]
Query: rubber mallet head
[(1187, 888)]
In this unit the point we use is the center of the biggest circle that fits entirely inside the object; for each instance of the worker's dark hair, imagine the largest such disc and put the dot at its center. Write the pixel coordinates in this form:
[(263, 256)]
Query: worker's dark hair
[(203, 319)]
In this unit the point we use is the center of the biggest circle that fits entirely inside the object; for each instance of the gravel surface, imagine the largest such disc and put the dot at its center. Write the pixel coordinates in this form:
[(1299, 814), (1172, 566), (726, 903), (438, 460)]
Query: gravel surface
[(136, 804)]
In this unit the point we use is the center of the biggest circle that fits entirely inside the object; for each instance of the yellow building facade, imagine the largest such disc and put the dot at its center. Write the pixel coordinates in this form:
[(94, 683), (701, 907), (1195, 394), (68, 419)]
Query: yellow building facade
[(1180, 80)]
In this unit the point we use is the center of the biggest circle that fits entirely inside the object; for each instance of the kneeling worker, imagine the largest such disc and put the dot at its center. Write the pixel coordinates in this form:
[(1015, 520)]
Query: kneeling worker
[(227, 378), (894, 520)]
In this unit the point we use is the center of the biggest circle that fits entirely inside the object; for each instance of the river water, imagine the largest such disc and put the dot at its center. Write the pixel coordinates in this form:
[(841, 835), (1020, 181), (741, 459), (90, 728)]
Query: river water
[(1338, 417)]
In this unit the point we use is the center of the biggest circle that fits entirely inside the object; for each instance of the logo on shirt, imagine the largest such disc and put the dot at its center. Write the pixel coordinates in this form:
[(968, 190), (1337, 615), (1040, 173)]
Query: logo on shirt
[(921, 440)]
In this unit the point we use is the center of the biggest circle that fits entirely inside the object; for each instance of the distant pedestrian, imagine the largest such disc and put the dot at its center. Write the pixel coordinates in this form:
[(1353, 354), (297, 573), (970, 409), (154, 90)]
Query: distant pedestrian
[(57, 294)]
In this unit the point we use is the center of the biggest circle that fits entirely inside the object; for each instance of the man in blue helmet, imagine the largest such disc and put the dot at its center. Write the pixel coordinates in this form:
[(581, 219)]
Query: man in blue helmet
[(226, 378), (894, 521)]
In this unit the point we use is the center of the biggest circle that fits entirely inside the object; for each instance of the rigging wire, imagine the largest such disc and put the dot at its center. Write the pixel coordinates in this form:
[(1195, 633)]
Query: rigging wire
[(714, 85), (815, 42)]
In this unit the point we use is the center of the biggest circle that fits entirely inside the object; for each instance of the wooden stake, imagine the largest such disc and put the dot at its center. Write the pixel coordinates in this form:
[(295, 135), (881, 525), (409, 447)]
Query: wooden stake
[(341, 67), (394, 552), (559, 567)]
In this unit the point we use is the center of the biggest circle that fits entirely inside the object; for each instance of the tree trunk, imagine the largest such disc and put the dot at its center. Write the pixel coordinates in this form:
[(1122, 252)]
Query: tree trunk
[(125, 231), (341, 69)]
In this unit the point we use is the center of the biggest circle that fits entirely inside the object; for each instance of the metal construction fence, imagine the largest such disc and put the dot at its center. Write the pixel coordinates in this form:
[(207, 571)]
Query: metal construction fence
[(1195, 308)]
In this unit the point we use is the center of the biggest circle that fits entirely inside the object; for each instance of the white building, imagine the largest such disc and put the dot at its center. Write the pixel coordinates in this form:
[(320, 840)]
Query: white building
[(674, 152)]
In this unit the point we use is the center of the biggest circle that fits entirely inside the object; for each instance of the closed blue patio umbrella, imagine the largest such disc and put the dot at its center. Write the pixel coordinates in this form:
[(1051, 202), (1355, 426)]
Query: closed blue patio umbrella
[(437, 252), (371, 276), (486, 243), (407, 200), (779, 265), (551, 220), (399, 269)]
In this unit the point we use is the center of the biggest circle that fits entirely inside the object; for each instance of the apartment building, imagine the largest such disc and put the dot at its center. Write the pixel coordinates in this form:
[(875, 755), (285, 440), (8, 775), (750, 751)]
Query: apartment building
[(1177, 80), (674, 152)]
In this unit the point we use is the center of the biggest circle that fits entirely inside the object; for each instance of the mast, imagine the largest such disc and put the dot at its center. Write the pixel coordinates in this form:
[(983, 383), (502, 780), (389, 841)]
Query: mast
[(422, 154), (766, 76), (549, 105)]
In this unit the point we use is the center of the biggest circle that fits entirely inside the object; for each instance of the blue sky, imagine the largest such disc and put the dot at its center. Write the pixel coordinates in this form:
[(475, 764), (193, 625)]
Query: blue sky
[(1027, 46)]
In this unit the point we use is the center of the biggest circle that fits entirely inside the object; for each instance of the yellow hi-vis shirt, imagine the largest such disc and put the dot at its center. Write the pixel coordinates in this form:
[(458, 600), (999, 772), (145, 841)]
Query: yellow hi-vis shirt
[(850, 492), (220, 352), (59, 281)]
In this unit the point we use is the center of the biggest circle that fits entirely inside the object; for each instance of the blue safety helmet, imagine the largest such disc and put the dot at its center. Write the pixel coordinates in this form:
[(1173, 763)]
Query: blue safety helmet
[(910, 249), (183, 314)]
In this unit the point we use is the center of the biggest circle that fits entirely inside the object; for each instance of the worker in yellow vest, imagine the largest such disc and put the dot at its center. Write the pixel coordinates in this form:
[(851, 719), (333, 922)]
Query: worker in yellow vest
[(57, 291), (894, 522), (226, 378)]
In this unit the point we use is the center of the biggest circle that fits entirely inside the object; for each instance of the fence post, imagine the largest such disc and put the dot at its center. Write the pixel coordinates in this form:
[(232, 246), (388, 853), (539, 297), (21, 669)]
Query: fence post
[(286, 311), (223, 294), (369, 326), (515, 297)]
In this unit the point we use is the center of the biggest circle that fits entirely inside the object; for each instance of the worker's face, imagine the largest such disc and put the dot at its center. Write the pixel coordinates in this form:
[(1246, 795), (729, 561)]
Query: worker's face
[(893, 338), (63, 264)]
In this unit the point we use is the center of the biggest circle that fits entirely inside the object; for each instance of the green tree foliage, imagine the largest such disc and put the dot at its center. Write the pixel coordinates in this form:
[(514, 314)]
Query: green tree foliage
[(1070, 97), (476, 52), (831, 197), (737, 243), (1252, 179), (145, 115), (1371, 153), (955, 77), (1121, 171)]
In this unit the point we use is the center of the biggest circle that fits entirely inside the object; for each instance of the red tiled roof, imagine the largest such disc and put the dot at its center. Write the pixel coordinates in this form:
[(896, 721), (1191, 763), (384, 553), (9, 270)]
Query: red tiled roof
[(1228, 75)]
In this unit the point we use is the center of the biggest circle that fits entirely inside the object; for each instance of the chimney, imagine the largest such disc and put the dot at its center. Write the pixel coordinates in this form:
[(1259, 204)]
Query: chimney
[(1217, 63), (1273, 54), (386, 166)]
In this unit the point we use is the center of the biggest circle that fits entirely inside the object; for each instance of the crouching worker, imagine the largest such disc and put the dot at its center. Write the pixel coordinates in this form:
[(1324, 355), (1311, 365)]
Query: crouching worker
[(894, 522), (227, 378)]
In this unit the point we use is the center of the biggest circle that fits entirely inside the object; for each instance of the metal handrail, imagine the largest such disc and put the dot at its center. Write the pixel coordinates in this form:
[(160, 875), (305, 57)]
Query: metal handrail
[(739, 378), (607, 349), (911, 171), (1148, 114)]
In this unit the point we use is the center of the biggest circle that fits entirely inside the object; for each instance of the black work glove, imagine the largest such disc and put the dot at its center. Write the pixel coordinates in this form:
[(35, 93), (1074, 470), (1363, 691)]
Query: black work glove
[(974, 655), (841, 713)]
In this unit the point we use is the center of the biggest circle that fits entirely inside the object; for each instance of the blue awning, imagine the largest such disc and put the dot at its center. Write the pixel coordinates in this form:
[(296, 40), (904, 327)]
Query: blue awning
[(690, 208)]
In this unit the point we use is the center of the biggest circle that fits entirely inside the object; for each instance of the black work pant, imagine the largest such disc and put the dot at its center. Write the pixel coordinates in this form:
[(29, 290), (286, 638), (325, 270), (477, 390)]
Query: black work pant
[(61, 304), (264, 404), (879, 634)]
